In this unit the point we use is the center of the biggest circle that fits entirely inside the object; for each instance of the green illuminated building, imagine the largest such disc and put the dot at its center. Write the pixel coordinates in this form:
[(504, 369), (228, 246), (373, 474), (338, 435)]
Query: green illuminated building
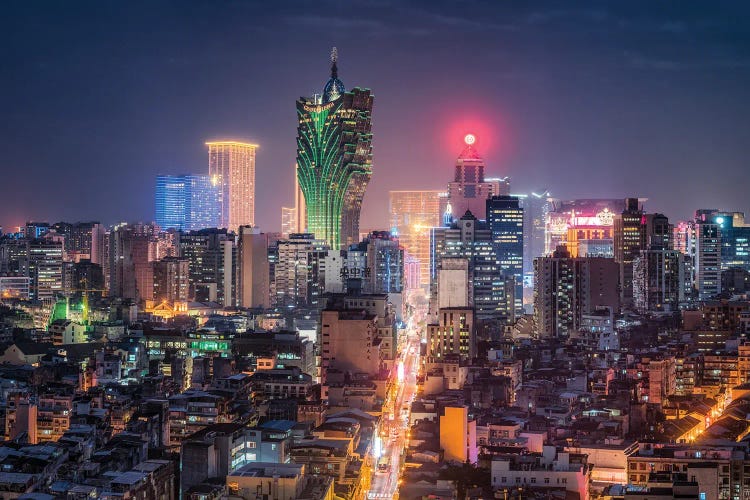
[(334, 159)]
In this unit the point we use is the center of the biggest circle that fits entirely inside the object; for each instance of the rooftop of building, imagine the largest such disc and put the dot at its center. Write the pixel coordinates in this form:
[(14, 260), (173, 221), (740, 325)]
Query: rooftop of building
[(269, 470)]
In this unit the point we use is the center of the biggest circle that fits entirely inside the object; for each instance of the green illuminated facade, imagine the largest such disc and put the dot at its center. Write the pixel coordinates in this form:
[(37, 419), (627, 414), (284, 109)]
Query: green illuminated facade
[(334, 159)]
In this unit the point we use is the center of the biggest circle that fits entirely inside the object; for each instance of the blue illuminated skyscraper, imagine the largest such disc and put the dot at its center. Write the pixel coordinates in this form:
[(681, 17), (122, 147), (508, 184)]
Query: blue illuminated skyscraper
[(186, 202), (505, 220)]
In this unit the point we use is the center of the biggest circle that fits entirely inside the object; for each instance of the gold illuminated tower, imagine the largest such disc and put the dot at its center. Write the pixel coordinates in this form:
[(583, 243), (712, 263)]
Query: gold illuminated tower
[(412, 215), (231, 166)]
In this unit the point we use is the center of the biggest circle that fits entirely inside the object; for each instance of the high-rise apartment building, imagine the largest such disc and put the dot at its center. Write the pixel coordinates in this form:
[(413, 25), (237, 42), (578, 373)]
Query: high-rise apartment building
[(566, 288), (288, 221), (505, 220), (707, 259), (628, 242), (412, 215), (252, 268), (469, 189), (132, 249), (379, 261), (186, 202), (171, 283), (297, 271), (45, 261), (661, 280), (334, 159), (210, 254), (454, 333), (468, 238), (231, 167)]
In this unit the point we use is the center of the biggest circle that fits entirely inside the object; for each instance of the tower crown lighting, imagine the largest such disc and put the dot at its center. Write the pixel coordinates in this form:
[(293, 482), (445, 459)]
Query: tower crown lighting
[(470, 139)]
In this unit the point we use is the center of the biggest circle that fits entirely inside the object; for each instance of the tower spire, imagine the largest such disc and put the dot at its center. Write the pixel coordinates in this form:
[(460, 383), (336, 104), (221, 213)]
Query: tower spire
[(334, 59)]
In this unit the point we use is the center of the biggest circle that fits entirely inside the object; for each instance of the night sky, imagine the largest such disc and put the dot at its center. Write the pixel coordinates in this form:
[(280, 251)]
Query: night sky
[(603, 99)]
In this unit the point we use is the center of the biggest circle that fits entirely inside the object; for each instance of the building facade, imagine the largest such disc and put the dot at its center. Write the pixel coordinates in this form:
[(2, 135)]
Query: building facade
[(231, 167), (412, 215), (505, 219), (186, 202)]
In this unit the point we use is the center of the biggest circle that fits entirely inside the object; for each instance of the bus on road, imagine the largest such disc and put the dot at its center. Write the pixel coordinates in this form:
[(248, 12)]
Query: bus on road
[(384, 464)]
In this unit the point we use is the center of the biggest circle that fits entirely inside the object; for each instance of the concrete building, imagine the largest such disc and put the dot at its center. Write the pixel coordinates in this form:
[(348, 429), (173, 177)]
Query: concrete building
[(210, 254), (45, 268), (565, 288), (349, 341), (490, 294), (252, 268), (628, 242), (661, 280), (550, 470), (215, 451), (272, 480), (458, 435), (454, 333), (296, 277), (453, 285), (707, 260), (171, 279)]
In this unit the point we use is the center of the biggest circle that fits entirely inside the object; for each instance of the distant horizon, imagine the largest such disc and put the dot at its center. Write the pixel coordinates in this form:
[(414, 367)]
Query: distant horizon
[(588, 100)]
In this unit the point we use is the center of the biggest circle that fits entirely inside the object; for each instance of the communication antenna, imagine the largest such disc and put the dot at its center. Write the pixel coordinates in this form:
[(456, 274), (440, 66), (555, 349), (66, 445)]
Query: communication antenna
[(334, 55)]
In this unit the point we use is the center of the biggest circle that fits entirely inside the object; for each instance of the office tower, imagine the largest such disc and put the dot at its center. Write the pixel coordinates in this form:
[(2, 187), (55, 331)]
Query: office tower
[(469, 189), (252, 268), (171, 280), (412, 214), (334, 159), (379, 262), (210, 264), (288, 221), (45, 268), (131, 250), (707, 259), (735, 240), (471, 239), (231, 167), (186, 202), (566, 288), (628, 241), (297, 274), (505, 220), (660, 280)]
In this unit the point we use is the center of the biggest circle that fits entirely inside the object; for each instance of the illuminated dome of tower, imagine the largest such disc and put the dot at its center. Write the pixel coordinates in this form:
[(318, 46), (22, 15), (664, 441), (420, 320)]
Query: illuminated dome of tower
[(335, 87)]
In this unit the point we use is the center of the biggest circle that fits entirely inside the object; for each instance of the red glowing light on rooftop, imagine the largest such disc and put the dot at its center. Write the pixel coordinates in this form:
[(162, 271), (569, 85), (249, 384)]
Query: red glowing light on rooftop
[(470, 139)]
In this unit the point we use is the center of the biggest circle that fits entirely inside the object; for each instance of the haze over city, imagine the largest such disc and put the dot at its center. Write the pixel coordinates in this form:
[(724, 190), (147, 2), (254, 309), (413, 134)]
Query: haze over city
[(586, 99)]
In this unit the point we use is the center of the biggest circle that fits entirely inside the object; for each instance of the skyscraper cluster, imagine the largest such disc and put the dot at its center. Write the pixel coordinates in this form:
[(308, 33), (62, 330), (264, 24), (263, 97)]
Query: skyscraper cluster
[(506, 345)]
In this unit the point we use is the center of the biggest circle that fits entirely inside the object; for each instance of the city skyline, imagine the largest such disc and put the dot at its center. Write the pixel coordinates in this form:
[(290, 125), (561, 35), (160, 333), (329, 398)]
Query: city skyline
[(678, 112)]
